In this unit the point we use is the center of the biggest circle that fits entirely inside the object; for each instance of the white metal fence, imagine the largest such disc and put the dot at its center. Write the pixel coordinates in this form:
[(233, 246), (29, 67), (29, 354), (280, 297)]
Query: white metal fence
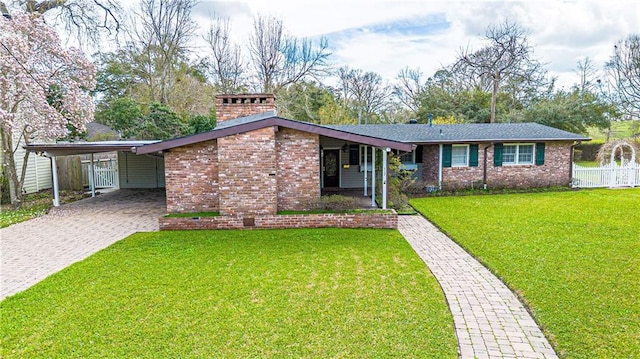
[(612, 175), (105, 173)]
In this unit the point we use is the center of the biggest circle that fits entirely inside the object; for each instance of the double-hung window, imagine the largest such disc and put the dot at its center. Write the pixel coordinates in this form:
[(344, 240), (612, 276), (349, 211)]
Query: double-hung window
[(459, 155), (517, 154)]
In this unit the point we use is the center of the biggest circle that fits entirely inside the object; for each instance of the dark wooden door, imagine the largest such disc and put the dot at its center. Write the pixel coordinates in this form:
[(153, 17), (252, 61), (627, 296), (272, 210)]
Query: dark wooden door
[(331, 170)]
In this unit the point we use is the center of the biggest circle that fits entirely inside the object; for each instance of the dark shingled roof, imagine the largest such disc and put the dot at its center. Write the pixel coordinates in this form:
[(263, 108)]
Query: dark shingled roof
[(399, 136), (472, 132)]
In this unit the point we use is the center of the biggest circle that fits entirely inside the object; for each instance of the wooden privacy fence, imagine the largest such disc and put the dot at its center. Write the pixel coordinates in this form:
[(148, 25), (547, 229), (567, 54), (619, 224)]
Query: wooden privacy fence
[(611, 175), (69, 173), (105, 173)]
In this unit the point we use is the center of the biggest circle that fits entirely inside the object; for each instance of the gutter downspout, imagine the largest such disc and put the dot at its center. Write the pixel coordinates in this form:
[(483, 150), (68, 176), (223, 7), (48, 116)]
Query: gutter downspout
[(484, 175), (440, 169)]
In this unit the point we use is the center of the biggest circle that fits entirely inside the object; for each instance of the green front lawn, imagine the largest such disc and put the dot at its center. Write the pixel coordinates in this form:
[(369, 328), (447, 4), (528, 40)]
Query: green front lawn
[(573, 256), (235, 294)]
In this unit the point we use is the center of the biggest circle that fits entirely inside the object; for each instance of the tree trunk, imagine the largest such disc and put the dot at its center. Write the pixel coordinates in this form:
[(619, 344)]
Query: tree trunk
[(494, 99), (15, 185)]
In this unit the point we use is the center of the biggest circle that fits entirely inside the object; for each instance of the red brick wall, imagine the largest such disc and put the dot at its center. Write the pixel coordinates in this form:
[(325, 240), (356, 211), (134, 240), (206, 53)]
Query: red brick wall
[(191, 174), (554, 172), (359, 220), (247, 173), (233, 106), (430, 160), (298, 169)]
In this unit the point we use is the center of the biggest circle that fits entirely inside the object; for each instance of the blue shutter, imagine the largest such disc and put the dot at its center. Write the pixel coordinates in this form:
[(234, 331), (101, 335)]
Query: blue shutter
[(497, 154), (539, 154), (446, 155), (473, 155)]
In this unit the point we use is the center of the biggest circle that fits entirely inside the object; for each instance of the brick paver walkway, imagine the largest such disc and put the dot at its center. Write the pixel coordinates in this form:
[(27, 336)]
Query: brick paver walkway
[(490, 321), (32, 250)]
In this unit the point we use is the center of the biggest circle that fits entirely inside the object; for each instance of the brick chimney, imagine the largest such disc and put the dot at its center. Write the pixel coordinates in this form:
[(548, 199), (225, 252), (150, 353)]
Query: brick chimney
[(229, 107)]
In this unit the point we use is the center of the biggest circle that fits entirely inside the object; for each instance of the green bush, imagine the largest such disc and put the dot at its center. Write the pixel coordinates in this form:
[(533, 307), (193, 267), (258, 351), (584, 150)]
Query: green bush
[(336, 202), (588, 151)]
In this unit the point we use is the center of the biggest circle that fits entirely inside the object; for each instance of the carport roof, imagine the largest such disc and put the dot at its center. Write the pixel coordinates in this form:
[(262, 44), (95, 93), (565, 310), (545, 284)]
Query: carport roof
[(80, 148)]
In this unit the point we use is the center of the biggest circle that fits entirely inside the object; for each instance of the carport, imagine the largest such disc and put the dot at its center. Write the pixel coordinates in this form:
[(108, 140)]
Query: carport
[(145, 171)]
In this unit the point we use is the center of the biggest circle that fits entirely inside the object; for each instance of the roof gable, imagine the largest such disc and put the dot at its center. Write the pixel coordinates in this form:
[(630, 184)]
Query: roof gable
[(267, 119)]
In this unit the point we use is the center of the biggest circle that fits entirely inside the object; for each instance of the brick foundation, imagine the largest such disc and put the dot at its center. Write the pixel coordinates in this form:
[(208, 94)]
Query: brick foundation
[(357, 220)]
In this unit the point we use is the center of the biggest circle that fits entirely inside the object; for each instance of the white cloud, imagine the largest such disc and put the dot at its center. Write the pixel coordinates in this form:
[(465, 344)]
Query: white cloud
[(386, 35)]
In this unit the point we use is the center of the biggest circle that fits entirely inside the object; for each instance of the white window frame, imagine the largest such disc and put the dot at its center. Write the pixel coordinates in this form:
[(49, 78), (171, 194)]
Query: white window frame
[(466, 163), (517, 161)]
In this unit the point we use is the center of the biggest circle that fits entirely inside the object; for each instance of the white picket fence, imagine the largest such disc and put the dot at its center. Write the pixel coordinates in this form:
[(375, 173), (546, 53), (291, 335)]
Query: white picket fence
[(105, 173), (612, 175)]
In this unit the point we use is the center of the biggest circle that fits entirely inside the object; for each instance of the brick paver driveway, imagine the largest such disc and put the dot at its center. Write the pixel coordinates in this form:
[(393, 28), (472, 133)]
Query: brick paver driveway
[(32, 250)]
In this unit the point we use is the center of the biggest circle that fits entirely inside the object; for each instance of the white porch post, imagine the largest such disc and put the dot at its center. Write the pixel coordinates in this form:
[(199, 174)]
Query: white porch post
[(92, 183), (56, 190), (384, 178), (373, 177), (365, 170)]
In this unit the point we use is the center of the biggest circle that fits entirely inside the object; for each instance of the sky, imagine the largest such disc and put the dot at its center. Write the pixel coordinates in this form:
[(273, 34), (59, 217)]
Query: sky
[(386, 36)]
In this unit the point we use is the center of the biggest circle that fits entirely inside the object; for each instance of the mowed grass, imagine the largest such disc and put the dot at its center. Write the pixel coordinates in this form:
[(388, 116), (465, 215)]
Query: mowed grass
[(573, 256), (324, 293)]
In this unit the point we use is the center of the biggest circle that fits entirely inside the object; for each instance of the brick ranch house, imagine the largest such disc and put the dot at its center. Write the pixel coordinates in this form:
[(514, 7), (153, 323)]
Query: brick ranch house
[(256, 163)]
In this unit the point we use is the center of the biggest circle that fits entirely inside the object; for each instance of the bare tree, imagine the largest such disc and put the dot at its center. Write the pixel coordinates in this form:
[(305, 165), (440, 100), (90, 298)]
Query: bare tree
[(226, 63), (162, 41), (588, 74), (409, 88), (507, 56), (86, 19), (280, 59), (624, 74), (365, 93)]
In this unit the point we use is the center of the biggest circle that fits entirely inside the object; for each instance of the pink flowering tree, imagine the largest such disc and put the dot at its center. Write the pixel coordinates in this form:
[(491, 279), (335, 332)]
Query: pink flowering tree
[(44, 90)]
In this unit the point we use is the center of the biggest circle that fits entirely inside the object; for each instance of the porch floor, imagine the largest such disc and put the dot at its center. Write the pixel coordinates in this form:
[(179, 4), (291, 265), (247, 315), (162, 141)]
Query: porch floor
[(358, 193)]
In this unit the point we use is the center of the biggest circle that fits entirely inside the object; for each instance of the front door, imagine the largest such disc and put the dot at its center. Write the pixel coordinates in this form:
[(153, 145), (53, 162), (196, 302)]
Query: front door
[(331, 170)]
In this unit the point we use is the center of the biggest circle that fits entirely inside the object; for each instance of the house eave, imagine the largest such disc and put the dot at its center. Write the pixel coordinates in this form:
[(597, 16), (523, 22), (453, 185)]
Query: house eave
[(79, 148), (500, 140)]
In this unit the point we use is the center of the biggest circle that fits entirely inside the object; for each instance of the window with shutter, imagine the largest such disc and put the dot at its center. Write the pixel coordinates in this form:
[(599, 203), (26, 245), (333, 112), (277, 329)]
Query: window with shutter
[(473, 155), (446, 155), (497, 154), (539, 154)]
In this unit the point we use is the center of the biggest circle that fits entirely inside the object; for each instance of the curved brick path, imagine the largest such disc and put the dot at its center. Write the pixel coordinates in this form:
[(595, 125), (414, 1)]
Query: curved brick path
[(32, 250), (490, 321)]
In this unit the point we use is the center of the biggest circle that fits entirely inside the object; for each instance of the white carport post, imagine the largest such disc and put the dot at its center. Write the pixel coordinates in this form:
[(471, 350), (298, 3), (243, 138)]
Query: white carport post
[(384, 177), (365, 170), (56, 190), (92, 182)]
